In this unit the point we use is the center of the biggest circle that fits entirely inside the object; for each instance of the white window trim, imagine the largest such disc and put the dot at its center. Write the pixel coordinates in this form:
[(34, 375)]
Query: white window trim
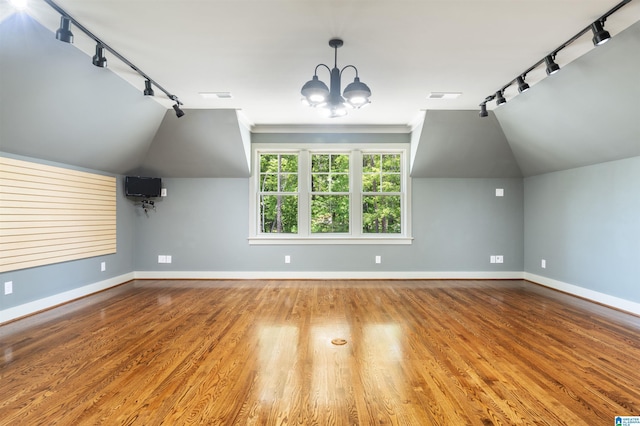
[(304, 235)]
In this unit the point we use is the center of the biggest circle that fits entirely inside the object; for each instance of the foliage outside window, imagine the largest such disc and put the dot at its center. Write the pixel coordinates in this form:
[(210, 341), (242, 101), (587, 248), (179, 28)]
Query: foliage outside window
[(330, 198), (329, 194), (279, 193), (381, 194)]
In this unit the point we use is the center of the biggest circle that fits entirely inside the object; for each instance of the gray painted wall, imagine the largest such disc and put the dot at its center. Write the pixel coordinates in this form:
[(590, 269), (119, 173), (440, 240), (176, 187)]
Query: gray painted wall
[(457, 225), (460, 223), (585, 223), (587, 113), (36, 283)]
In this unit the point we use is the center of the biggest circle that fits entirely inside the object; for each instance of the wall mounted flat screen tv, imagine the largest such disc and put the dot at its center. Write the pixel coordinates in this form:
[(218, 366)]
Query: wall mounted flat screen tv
[(136, 186)]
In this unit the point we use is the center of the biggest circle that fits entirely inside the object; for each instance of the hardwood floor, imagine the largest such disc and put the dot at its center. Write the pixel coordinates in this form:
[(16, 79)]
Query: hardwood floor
[(260, 352)]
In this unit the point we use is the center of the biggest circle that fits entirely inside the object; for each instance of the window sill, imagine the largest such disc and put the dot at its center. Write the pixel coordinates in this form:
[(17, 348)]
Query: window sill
[(286, 240)]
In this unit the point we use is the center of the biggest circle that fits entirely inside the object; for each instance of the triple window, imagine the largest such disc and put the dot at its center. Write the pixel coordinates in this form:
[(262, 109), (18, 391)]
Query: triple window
[(314, 194)]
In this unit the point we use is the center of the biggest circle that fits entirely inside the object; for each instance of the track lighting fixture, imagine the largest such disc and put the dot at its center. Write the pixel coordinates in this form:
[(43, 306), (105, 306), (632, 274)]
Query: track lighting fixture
[(148, 90), (98, 59), (600, 36), (316, 93), (552, 67), (64, 32), (483, 110), (179, 112), (522, 85)]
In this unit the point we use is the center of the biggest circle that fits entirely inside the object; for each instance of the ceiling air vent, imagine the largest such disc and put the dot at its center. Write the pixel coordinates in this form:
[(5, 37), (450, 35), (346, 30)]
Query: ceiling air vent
[(216, 95), (444, 95)]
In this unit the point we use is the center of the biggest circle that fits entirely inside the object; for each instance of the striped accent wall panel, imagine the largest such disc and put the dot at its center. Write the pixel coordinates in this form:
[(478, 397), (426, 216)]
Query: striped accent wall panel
[(52, 214)]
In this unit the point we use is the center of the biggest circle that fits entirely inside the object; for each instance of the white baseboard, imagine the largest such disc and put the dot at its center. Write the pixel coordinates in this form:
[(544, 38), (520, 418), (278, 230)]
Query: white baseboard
[(254, 275), (60, 298), (594, 296), (57, 299)]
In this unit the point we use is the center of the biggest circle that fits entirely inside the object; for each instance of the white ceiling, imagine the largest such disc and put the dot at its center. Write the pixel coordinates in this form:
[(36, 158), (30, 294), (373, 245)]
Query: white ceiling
[(263, 51)]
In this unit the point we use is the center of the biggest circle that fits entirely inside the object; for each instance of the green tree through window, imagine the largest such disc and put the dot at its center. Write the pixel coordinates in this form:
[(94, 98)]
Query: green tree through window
[(381, 194), (279, 193), (330, 193)]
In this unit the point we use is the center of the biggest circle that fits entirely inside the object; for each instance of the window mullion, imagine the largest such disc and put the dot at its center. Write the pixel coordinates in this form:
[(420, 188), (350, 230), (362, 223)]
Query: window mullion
[(304, 193), (355, 212)]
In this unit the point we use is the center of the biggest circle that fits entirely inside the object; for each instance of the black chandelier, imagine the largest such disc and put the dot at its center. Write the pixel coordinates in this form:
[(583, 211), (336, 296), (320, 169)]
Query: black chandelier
[(316, 94)]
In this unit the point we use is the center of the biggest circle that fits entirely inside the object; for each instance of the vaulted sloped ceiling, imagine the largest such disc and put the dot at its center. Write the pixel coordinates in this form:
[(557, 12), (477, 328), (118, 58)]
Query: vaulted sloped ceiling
[(459, 144), (57, 106), (203, 143), (587, 113)]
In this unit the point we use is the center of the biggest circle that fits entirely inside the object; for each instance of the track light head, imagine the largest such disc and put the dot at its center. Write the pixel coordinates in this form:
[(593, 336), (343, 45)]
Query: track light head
[(179, 112), (522, 85), (552, 67), (500, 98), (98, 59), (64, 32), (600, 35), (483, 110), (148, 90)]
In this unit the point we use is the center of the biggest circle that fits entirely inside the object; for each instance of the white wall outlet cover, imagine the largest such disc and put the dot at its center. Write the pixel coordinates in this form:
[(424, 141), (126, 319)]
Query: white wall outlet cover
[(378, 259), (8, 287), (499, 259), (162, 258), (543, 263), (499, 192), (103, 266), (287, 259), (163, 192), (168, 258), (492, 259)]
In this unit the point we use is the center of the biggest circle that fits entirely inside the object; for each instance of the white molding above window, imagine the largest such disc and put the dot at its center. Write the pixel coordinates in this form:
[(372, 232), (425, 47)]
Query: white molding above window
[(304, 235), (288, 239)]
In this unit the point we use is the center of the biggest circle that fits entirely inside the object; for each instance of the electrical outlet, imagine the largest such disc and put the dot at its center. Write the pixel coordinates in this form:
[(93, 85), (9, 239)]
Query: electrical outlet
[(103, 266), (8, 287), (499, 259), (499, 192), (378, 259), (287, 259), (167, 258), (492, 259), (163, 192), (162, 258), (543, 263)]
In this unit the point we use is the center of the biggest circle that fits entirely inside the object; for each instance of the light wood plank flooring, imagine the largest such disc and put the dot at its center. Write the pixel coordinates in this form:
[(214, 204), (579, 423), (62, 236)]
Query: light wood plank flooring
[(260, 352)]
